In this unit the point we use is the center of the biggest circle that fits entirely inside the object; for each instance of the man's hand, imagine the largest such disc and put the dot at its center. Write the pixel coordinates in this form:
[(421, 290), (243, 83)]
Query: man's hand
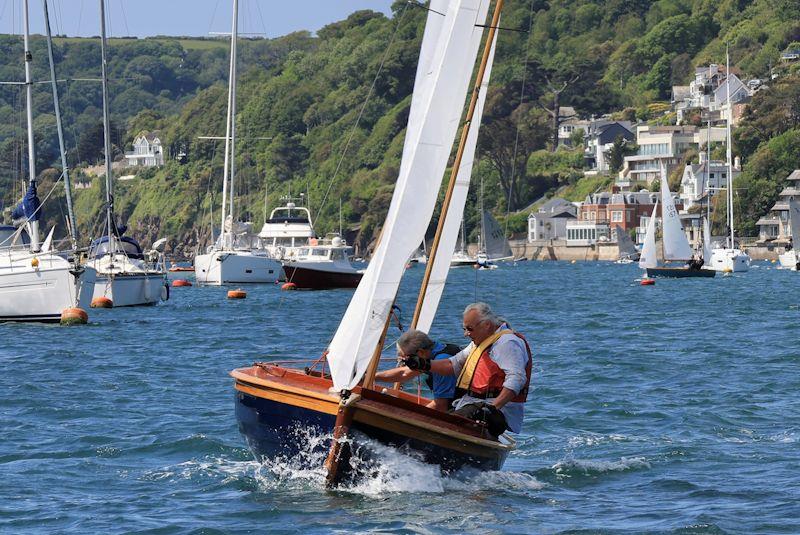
[(417, 363)]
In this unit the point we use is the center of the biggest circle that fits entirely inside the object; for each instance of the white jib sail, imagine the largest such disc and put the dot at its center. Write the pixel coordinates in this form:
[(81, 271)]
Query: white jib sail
[(648, 257), (415, 192), (676, 245), (453, 218), (706, 241)]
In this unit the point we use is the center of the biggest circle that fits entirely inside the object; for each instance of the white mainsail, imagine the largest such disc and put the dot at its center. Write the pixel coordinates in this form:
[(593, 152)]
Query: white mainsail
[(676, 245), (425, 159), (454, 216), (648, 257)]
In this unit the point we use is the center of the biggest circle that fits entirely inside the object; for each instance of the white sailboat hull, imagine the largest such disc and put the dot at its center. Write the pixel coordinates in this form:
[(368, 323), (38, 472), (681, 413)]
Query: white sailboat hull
[(41, 293), (129, 282), (790, 260), (233, 267), (729, 260)]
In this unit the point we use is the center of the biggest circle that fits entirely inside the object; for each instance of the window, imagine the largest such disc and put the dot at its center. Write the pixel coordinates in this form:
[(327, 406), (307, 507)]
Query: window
[(628, 216), (616, 216)]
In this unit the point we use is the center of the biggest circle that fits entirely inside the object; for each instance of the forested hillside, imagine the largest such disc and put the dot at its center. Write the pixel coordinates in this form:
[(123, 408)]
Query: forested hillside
[(304, 126)]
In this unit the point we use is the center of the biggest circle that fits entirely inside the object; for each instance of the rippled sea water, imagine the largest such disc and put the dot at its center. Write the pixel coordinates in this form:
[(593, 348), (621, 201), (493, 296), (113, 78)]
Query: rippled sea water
[(664, 409)]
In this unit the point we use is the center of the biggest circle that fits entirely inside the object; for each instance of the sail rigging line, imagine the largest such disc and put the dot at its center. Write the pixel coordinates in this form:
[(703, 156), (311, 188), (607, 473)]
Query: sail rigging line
[(490, 38), (519, 123), (353, 128)]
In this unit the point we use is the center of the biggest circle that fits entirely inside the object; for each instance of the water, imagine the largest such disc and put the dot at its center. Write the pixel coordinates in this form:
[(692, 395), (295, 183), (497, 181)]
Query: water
[(664, 409)]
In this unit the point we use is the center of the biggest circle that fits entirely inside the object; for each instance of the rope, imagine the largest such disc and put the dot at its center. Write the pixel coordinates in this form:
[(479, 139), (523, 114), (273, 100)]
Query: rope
[(363, 107), (521, 100)]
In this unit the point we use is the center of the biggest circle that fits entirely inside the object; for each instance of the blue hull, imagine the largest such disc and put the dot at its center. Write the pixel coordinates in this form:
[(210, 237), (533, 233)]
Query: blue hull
[(270, 430)]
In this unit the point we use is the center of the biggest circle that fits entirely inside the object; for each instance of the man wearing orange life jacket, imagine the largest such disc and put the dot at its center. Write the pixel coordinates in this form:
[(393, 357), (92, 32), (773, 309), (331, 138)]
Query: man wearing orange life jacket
[(493, 372)]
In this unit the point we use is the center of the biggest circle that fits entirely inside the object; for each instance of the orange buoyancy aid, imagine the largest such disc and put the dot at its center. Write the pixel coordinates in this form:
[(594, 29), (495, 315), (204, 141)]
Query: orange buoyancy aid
[(482, 377)]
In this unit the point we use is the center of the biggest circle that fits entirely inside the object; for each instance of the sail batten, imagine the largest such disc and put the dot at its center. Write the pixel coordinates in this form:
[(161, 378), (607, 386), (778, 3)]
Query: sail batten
[(431, 131)]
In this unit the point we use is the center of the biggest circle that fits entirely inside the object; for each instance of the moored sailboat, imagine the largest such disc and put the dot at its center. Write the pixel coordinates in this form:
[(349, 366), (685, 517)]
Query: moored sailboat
[(234, 257), (36, 283), (272, 399), (126, 275)]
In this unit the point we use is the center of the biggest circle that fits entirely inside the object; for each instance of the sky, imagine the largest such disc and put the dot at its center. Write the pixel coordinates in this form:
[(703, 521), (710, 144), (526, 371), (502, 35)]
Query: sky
[(142, 18)]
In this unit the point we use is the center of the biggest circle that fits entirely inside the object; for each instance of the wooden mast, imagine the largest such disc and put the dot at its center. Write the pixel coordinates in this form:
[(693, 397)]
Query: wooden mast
[(457, 163)]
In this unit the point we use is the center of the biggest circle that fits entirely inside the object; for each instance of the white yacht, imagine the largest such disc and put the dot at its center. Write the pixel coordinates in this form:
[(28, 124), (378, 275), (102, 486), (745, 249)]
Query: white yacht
[(236, 256), (287, 230), (125, 275), (38, 286), (323, 265)]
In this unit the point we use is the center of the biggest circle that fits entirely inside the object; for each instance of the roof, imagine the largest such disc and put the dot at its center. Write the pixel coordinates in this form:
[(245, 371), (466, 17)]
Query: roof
[(794, 176), (150, 136), (555, 205)]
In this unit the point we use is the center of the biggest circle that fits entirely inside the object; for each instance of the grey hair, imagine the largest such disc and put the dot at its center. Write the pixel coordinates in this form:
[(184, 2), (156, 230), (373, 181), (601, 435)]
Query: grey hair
[(485, 313), (411, 341)]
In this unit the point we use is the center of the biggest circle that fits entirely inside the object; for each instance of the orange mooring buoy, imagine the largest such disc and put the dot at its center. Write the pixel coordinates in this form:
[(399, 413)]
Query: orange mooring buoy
[(102, 302), (178, 283), (74, 316), (289, 286), (648, 282), (237, 294)]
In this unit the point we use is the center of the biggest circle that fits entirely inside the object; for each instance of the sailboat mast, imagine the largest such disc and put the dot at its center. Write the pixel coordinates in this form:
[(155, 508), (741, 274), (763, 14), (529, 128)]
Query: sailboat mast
[(482, 237), (34, 224), (228, 124), (708, 175), (106, 129), (729, 152), (73, 232), (487, 49)]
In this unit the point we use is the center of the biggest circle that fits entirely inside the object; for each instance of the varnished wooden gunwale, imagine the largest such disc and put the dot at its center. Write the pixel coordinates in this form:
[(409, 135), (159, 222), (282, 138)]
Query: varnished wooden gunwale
[(312, 393)]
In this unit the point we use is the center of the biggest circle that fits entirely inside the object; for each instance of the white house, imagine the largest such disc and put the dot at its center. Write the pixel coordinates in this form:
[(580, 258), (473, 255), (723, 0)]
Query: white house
[(708, 91), (549, 222), (147, 151), (775, 225), (706, 176)]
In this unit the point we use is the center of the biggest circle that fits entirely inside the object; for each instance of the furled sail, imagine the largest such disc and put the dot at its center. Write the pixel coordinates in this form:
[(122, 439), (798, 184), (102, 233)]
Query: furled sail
[(29, 207), (648, 258), (676, 245), (454, 217), (425, 156)]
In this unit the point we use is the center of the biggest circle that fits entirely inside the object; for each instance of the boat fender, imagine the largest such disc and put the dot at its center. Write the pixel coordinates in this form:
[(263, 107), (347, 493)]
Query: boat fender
[(34, 262), (165, 291)]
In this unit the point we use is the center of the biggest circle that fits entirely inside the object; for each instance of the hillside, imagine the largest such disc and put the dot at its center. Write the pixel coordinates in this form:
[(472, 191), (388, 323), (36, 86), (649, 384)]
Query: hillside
[(300, 97)]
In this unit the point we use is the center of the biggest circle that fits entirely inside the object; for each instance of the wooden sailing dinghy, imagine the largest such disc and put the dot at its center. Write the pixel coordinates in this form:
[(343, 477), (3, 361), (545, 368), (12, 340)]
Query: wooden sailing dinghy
[(272, 399)]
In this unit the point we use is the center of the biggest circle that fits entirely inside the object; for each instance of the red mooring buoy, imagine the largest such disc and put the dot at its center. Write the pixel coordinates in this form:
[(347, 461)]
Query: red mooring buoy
[(180, 283), (102, 302), (74, 316), (289, 286), (237, 294), (648, 282)]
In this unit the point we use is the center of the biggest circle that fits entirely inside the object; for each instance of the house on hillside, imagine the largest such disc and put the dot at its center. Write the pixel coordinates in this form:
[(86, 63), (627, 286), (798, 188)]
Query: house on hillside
[(147, 151), (569, 123), (702, 181), (599, 138), (708, 91), (775, 225), (549, 222)]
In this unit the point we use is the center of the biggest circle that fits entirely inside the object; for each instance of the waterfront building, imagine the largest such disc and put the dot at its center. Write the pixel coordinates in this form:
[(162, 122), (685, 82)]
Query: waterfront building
[(549, 222), (775, 226), (147, 151)]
